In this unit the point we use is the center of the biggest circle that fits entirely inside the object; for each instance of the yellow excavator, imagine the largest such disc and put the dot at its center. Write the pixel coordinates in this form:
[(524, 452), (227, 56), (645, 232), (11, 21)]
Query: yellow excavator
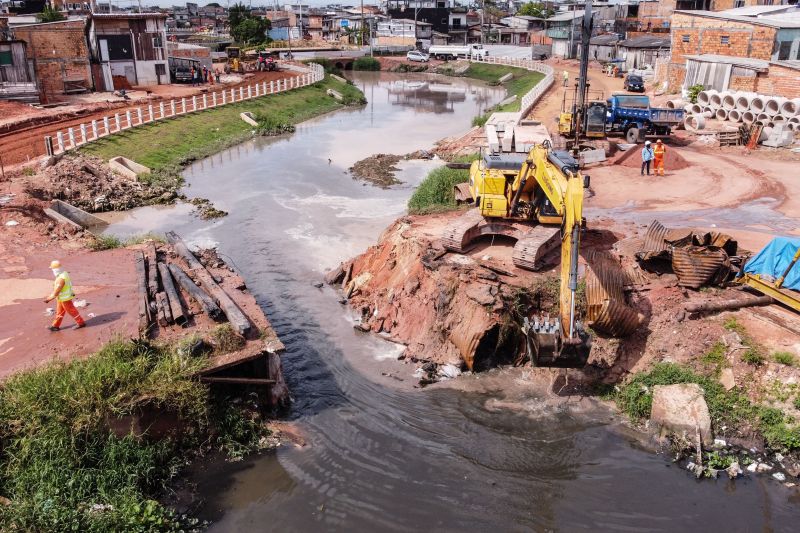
[(539, 204)]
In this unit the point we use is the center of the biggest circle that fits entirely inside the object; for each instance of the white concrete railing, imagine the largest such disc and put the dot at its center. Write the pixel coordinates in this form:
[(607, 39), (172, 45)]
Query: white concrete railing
[(84, 133), (531, 97)]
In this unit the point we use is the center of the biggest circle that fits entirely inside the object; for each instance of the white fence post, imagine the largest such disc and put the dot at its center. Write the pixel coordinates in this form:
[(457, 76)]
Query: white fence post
[(271, 87), (214, 99), (233, 95), (194, 103), (264, 88), (94, 129), (241, 93), (150, 112), (172, 106), (139, 115), (106, 127), (83, 133), (183, 105), (60, 140), (117, 122), (71, 136), (161, 110), (249, 91), (205, 101), (128, 117)]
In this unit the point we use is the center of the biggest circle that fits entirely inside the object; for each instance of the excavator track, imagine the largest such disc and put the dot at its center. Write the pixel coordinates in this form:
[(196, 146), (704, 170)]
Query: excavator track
[(533, 242)]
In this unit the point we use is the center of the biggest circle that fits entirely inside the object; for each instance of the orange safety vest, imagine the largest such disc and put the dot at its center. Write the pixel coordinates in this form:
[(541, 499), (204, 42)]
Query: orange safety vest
[(659, 151)]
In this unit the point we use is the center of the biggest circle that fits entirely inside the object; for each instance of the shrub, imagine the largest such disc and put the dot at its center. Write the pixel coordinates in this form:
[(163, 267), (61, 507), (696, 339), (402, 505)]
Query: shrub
[(694, 90), (715, 357), (752, 356), (366, 63), (105, 242), (784, 358), (435, 193), (226, 340)]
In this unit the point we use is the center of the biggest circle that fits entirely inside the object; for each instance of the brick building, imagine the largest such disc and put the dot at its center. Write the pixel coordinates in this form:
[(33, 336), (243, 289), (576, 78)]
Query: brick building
[(698, 33), (60, 56)]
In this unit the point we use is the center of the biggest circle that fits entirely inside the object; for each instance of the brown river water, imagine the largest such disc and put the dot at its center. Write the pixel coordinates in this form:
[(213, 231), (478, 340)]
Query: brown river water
[(380, 454)]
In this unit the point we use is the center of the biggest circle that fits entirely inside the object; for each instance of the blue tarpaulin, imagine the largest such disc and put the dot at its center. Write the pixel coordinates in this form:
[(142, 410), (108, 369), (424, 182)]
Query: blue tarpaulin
[(771, 261)]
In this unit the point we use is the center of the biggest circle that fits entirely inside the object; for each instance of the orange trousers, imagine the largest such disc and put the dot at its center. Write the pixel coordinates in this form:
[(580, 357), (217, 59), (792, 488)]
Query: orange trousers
[(658, 166), (67, 307)]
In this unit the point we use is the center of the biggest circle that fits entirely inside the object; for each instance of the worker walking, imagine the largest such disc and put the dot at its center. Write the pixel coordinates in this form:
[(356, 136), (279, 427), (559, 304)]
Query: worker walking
[(647, 156), (63, 293), (565, 74), (659, 152)]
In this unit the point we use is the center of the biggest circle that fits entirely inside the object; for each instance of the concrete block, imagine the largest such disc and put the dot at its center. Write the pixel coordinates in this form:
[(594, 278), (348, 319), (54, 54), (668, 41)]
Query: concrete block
[(65, 213), (248, 117), (491, 138), (682, 409), (127, 168)]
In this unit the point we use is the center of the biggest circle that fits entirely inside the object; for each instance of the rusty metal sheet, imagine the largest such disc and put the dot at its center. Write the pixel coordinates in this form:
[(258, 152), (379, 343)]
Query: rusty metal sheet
[(654, 244), (607, 310), (697, 266)]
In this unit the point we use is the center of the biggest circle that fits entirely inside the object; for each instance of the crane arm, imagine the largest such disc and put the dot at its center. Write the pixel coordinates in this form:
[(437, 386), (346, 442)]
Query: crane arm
[(570, 247)]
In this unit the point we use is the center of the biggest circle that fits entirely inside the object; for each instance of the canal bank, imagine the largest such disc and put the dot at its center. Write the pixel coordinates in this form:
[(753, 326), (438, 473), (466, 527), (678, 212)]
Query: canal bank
[(378, 453)]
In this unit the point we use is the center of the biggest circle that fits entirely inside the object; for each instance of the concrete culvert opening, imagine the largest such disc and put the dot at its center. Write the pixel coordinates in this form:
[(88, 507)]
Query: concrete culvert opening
[(339, 65)]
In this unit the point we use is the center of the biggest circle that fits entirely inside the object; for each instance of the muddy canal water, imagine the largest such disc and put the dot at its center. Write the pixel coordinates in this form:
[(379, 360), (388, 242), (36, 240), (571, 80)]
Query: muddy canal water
[(380, 454)]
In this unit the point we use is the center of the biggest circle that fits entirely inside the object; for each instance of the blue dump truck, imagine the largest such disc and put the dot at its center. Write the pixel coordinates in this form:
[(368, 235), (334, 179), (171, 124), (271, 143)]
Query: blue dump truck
[(632, 116)]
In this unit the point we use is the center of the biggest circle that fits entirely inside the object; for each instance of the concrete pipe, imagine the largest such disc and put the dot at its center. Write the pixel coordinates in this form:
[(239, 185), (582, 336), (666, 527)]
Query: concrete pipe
[(790, 108), (743, 101), (770, 124), (766, 131), (794, 120), (734, 115), (729, 100), (748, 117), (757, 104), (708, 112), (695, 109), (695, 122), (773, 105), (763, 118), (675, 104), (688, 107), (721, 114), (715, 100), (704, 97), (777, 119)]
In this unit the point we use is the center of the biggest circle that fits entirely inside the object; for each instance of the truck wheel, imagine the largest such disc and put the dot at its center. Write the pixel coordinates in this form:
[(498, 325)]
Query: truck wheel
[(632, 135)]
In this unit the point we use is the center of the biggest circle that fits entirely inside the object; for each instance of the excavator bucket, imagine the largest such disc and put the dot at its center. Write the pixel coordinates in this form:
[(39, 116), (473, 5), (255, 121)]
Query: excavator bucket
[(547, 346)]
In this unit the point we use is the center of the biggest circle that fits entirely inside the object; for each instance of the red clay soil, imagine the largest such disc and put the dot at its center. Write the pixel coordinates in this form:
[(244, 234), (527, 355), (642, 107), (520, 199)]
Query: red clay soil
[(25, 143), (633, 158)]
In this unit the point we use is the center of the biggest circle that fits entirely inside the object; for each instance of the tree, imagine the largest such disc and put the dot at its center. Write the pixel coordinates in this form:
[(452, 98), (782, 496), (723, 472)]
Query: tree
[(536, 9), (213, 4), (49, 14), (236, 15), (251, 30)]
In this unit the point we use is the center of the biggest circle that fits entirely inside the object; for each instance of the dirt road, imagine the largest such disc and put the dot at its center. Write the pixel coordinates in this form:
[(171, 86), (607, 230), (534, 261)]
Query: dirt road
[(26, 142)]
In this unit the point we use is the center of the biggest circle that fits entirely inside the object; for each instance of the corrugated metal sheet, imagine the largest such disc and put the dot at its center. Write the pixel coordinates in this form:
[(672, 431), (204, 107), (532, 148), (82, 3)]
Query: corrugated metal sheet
[(607, 310), (697, 266), (654, 244)]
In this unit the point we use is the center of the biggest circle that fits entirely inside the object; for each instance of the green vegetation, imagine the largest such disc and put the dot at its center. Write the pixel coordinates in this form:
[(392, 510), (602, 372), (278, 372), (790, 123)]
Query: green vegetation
[(435, 193), (480, 120), (727, 408), (246, 28), (714, 359), (225, 339), (753, 353), (694, 90), (366, 63), (109, 242), (536, 9), (522, 82), (169, 145), (784, 358), (73, 459), (50, 14)]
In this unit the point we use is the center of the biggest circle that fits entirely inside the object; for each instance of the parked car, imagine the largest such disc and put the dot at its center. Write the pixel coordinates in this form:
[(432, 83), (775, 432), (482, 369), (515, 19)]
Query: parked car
[(182, 75), (416, 55), (633, 83)]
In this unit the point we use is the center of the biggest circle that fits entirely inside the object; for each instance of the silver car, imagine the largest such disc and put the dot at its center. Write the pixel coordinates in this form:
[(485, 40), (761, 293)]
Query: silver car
[(416, 55)]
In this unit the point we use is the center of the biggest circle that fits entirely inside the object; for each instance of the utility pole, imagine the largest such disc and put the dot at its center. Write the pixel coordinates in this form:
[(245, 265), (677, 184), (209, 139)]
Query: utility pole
[(361, 28), (586, 35)]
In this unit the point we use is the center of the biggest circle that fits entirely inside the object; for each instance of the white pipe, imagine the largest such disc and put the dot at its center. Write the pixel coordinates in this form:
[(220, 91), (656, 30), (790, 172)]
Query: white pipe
[(757, 104), (704, 97), (794, 120), (734, 115), (748, 117), (696, 122), (743, 101), (708, 112), (766, 131), (715, 99), (789, 108), (695, 109), (763, 118), (729, 101), (773, 105), (777, 119), (721, 114), (675, 104)]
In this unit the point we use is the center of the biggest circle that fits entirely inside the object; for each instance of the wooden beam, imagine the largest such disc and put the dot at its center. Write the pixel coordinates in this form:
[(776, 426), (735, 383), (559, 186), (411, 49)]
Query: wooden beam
[(186, 283), (175, 305), (141, 283)]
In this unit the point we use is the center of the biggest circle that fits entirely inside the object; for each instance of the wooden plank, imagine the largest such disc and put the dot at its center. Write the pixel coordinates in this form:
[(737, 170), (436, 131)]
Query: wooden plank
[(197, 294), (141, 282), (152, 270), (175, 305), (236, 317)]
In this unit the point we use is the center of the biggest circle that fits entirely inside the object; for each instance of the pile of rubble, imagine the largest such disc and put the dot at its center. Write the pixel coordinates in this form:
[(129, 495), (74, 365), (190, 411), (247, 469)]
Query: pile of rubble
[(87, 183)]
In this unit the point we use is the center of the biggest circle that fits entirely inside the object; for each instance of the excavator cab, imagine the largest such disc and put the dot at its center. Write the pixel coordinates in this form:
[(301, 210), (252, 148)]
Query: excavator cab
[(595, 126)]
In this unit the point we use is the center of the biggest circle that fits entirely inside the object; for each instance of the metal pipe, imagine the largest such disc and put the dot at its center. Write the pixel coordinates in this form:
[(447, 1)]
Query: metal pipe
[(727, 305)]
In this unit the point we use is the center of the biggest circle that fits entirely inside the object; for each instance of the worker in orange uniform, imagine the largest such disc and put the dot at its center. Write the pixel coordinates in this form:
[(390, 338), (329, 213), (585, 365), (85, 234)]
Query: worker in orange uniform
[(659, 152), (63, 293)]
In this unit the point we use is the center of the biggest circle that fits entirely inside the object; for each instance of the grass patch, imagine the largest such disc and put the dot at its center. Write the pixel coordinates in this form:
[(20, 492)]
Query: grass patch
[(64, 469), (225, 339), (366, 63), (167, 146), (435, 193), (481, 120), (522, 82), (730, 409), (753, 353), (714, 359), (784, 358), (105, 242)]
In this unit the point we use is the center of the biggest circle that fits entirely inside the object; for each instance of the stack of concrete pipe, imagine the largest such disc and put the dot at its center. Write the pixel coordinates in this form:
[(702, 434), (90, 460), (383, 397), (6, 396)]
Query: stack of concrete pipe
[(740, 106)]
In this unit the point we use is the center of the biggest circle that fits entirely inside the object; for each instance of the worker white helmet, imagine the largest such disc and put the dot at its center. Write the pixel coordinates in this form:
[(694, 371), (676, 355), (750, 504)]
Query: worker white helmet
[(647, 143)]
